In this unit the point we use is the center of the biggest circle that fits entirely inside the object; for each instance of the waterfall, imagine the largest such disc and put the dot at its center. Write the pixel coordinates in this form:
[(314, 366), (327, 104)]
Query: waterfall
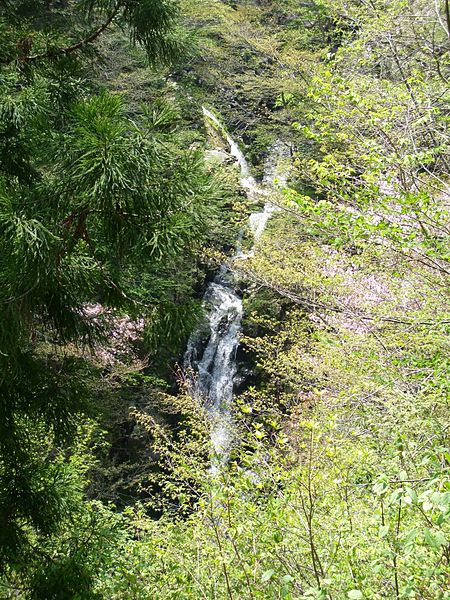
[(213, 362)]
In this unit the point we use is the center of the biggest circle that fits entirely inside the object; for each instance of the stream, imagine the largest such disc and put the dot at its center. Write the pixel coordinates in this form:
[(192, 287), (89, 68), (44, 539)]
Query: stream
[(210, 357)]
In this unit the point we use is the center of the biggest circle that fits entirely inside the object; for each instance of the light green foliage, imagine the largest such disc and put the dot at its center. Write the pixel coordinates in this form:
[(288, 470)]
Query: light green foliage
[(337, 486), (323, 512), (377, 122), (250, 61)]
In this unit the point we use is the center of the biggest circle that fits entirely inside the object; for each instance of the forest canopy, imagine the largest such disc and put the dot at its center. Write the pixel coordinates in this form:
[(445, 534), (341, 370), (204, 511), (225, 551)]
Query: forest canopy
[(136, 138)]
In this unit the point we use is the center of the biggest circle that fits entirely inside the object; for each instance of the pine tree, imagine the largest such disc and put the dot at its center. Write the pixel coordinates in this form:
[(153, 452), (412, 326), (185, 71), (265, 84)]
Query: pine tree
[(88, 200)]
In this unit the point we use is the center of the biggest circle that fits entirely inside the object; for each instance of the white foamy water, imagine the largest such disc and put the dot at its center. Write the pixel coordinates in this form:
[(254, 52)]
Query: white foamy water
[(210, 357)]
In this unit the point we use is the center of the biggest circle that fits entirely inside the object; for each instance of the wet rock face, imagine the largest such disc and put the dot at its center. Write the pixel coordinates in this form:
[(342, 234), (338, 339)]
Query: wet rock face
[(246, 374)]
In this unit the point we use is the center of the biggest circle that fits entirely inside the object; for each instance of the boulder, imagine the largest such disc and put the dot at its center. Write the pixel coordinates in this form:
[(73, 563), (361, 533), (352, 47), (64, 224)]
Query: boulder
[(217, 157)]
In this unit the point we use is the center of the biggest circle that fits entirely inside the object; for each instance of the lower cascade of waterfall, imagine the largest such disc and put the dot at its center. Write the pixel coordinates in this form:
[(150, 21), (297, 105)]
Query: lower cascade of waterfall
[(214, 366), (210, 356)]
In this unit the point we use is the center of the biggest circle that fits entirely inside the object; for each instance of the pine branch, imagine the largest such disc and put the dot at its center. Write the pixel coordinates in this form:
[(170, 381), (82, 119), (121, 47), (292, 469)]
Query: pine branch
[(55, 52)]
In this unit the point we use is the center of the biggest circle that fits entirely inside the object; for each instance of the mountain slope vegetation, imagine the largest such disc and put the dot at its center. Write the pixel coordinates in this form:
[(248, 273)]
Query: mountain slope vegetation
[(113, 219)]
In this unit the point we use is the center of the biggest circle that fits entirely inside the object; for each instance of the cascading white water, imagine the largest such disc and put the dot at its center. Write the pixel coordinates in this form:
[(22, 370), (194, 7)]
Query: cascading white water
[(247, 181), (213, 366)]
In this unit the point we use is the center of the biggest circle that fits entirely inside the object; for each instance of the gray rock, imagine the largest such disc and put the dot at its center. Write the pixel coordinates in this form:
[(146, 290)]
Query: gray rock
[(217, 157)]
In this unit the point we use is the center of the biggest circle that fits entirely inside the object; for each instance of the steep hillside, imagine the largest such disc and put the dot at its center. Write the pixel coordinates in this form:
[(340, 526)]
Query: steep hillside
[(265, 185)]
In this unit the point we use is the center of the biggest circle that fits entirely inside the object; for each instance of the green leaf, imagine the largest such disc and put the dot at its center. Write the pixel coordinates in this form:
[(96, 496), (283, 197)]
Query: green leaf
[(380, 487), (440, 538), (411, 536), (267, 575), (354, 594), (403, 475), (434, 539), (396, 494), (411, 495), (384, 530)]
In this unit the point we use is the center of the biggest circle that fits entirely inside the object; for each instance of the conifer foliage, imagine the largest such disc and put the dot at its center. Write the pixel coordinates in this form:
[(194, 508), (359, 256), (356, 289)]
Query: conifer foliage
[(88, 199)]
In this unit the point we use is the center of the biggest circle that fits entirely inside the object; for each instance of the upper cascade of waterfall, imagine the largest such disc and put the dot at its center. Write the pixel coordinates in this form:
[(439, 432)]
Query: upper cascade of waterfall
[(273, 178), (258, 220), (248, 182)]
